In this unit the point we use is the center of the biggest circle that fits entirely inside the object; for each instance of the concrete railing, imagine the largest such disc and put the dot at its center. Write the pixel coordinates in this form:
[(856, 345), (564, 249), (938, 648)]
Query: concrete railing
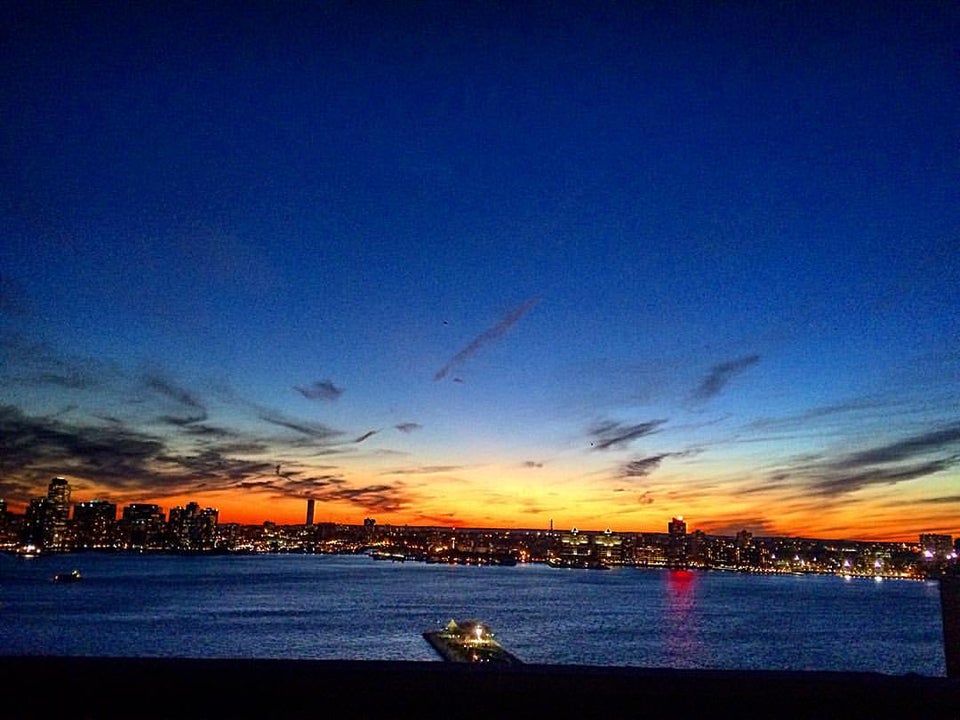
[(36, 687)]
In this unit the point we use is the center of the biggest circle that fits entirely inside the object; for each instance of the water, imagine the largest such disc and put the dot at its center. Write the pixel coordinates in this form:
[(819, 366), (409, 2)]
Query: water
[(351, 607)]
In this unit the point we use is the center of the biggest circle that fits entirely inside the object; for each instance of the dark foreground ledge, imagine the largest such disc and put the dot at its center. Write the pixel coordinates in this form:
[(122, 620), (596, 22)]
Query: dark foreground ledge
[(152, 688)]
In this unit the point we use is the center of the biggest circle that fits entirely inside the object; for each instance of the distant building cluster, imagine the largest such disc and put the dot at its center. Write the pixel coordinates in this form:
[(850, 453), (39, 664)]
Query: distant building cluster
[(47, 526)]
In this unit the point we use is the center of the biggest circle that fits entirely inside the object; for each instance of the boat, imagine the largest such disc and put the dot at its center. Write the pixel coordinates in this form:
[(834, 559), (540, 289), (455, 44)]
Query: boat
[(69, 577), (578, 564), (469, 641), (28, 551)]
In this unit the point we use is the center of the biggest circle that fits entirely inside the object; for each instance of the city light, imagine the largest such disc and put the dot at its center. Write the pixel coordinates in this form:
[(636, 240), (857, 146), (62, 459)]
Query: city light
[(48, 527)]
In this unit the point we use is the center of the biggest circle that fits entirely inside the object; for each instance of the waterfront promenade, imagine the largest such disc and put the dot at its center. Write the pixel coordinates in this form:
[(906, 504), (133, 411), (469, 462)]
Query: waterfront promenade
[(38, 687)]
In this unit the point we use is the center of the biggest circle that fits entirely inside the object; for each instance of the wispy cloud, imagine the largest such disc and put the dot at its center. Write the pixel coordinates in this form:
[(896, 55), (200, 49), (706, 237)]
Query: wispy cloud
[(803, 419), (641, 467), (182, 398), (172, 391), (366, 436), (731, 526), (721, 374), (532, 464), (320, 390), (127, 463), (318, 431), (844, 483), (424, 470), (932, 441), (317, 487), (613, 435), (487, 336), (408, 427), (376, 498), (212, 465), (909, 458), (69, 380), (626, 504), (113, 453), (941, 500)]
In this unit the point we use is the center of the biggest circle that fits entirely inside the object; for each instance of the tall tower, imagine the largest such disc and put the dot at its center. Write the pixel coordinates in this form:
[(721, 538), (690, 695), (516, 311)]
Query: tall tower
[(310, 503), (56, 514), (58, 492), (677, 548)]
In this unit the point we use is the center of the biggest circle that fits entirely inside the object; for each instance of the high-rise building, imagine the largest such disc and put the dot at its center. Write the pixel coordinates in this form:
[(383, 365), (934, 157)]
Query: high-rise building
[(192, 528), (310, 506), (10, 527), (744, 547), (34, 520), (48, 517), (609, 548), (94, 524), (677, 543), (58, 492), (575, 549), (141, 527), (698, 548)]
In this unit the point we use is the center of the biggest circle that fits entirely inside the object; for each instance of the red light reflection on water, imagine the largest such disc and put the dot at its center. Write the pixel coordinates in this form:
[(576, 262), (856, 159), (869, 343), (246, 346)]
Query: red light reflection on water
[(680, 587), (679, 620), (680, 578)]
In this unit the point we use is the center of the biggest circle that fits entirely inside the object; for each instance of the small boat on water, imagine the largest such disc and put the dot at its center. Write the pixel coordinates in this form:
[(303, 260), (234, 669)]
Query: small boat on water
[(69, 577)]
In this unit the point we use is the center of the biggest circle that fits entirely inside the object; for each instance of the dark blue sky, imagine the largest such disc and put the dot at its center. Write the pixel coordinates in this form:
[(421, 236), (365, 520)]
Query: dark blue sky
[(678, 227)]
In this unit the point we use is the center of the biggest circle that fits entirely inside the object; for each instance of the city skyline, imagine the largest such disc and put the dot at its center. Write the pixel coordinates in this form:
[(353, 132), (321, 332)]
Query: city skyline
[(47, 517), (47, 527), (484, 265)]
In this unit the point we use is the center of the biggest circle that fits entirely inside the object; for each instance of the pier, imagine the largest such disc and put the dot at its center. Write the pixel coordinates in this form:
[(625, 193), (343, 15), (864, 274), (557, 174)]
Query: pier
[(469, 641)]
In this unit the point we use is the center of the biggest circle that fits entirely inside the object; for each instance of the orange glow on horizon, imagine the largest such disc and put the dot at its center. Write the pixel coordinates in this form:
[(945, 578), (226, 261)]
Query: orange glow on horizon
[(483, 499)]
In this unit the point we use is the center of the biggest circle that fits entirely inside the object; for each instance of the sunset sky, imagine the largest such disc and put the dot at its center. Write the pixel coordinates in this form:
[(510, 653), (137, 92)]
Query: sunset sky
[(486, 264)]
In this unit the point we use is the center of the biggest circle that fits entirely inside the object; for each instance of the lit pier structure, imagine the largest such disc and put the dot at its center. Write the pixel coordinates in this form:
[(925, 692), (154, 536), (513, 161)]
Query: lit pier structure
[(469, 641)]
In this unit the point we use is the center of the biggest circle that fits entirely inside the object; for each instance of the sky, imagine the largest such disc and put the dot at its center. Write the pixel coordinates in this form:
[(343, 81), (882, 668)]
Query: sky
[(486, 264)]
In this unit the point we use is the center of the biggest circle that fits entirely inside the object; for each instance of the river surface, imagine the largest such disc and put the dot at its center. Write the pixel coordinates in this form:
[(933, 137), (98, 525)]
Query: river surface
[(355, 608)]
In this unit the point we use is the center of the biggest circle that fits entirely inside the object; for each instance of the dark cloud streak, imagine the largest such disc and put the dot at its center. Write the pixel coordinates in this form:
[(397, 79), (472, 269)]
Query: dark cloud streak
[(934, 440), (320, 390), (721, 374), (642, 467), (171, 391), (899, 461), (304, 427), (883, 476), (486, 337), (610, 434)]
